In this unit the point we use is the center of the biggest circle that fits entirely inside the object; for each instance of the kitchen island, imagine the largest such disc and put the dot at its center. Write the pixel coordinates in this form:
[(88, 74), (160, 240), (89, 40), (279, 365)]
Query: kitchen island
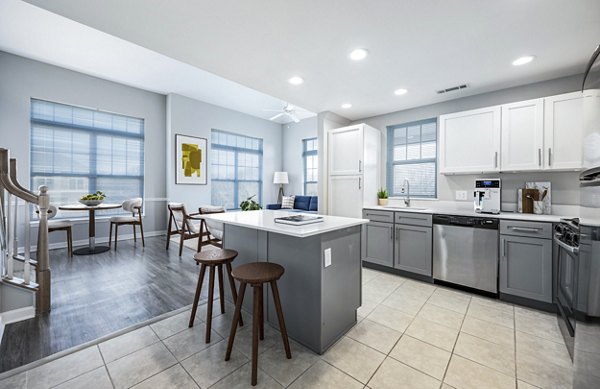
[(321, 288)]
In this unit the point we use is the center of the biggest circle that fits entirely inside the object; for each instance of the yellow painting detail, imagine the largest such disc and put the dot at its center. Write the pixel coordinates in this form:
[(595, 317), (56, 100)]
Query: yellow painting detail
[(191, 158)]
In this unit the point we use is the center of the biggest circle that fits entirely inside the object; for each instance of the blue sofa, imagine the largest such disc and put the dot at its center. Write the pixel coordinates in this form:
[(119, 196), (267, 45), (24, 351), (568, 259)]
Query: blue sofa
[(306, 204)]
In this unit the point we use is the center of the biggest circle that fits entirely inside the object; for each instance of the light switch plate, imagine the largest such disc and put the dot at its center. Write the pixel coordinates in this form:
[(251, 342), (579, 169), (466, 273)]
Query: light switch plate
[(461, 194), (327, 257)]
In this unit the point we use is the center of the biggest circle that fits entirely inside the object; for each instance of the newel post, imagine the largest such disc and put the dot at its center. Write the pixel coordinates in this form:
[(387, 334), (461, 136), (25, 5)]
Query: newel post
[(43, 304)]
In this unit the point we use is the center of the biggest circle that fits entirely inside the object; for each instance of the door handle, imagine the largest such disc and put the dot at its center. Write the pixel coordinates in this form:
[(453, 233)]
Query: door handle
[(540, 157), (549, 156)]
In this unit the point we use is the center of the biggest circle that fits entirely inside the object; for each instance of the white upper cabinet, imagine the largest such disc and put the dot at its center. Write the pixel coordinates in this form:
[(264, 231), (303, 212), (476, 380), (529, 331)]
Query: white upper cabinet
[(470, 141), (346, 151), (522, 135), (564, 131)]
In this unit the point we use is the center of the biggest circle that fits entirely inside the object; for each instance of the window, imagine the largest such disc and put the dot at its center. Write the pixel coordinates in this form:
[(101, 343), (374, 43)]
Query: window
[(412, 150), (236, 168), (76, 150), (310, 155)]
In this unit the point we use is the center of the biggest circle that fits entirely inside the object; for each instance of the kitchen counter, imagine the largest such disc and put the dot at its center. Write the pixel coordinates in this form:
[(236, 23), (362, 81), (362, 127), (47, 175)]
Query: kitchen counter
[(264, 220), (464, 212)]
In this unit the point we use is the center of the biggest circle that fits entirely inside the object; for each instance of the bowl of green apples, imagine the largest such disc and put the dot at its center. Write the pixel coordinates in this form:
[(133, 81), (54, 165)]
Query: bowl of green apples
[(92, 199)]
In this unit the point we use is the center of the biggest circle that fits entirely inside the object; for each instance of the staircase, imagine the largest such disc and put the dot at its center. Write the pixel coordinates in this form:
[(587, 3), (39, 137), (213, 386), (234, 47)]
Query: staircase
[(24, 282)]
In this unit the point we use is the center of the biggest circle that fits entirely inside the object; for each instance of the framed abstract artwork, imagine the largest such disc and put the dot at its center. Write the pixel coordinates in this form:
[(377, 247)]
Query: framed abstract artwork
[(190, 160)]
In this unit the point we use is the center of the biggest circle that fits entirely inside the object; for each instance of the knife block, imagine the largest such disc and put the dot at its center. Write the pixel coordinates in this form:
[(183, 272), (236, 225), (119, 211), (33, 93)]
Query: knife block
[(529, 196)]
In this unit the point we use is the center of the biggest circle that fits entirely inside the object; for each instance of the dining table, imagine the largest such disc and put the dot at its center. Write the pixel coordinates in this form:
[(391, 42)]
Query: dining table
[(91, 209)]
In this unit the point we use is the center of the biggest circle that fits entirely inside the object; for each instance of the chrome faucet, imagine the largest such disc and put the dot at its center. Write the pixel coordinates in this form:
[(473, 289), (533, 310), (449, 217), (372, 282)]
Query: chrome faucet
[(406, 191)]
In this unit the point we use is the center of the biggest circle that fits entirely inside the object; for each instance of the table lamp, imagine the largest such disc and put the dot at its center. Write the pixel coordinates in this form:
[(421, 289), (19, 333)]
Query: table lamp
[(280, 178)]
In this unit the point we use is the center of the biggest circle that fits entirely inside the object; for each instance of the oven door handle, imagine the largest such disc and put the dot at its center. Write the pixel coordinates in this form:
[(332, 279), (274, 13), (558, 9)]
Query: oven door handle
[(571, 249)]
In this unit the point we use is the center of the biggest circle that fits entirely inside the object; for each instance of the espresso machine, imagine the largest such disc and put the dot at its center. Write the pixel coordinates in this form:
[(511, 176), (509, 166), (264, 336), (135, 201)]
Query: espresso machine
[(487, 195)]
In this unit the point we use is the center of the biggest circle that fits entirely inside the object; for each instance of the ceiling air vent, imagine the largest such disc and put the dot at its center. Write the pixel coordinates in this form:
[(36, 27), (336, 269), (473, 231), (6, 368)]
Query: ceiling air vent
[(452, 89)]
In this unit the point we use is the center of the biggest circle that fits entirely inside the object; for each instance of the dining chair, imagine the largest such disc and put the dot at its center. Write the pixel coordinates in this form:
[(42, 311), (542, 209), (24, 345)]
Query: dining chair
[(60, 225), (187, 226), (211, 229), (135, 207)]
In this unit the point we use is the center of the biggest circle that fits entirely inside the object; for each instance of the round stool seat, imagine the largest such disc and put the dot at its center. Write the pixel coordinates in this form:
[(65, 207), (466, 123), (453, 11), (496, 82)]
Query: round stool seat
[(215, 257), (258, 272)]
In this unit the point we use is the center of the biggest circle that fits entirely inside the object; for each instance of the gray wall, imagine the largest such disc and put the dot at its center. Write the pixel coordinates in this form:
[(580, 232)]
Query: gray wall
[(565, 187), (21, 79), (192, 117), (293, 163)]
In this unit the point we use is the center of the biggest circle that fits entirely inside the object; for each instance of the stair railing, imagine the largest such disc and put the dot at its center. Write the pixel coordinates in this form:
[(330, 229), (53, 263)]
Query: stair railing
[(10, 185)]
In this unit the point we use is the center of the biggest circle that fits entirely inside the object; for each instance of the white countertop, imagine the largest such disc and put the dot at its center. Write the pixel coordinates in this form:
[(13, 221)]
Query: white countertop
[(265, 220), (464, 212)]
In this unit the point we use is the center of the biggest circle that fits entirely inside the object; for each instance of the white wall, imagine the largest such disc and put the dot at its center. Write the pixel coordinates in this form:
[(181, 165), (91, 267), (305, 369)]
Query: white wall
[(21, 79), (192, 117), (293, 164), (565, 186)]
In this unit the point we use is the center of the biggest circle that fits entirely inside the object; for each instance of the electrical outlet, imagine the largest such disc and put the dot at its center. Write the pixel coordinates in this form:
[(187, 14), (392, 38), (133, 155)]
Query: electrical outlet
[(461, 194), (327, 257)]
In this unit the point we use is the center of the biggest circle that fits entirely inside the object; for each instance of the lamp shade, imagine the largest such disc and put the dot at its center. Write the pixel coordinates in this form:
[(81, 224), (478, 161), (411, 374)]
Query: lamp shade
[(280, 178)]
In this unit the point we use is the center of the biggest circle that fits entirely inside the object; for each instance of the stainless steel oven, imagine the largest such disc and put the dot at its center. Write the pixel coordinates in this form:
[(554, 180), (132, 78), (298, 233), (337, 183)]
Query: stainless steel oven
[(566, 245)]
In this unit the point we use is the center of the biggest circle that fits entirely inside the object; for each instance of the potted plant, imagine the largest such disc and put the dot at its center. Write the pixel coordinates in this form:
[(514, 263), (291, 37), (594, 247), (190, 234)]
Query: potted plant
[(250, 205), (382, 196)]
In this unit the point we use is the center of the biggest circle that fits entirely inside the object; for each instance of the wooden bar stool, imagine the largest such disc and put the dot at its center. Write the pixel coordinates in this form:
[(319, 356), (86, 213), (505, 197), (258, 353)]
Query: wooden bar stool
[(256, 274), (214, 258)]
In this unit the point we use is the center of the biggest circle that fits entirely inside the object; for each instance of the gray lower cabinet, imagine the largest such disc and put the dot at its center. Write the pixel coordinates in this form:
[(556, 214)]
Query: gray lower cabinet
[(378, 240), (526, 267), (412, 251)]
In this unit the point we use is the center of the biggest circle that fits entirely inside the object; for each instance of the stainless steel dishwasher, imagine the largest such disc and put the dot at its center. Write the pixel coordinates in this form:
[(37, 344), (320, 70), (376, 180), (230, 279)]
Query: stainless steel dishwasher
[(465, 251)]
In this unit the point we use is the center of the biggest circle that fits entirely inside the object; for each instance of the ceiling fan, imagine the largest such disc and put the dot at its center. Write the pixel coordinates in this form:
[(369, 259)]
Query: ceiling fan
[(288, 110)]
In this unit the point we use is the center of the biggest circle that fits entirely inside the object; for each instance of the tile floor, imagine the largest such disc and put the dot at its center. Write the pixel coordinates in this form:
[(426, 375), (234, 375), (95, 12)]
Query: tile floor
[(410, 335)]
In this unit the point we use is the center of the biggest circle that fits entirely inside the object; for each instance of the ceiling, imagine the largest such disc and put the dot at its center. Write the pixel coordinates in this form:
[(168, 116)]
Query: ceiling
[(39, 34), (422, 46)]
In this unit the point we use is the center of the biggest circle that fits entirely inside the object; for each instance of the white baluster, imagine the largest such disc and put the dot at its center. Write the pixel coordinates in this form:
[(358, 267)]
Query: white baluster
[(27, 239), (15, 246), (9, 242)]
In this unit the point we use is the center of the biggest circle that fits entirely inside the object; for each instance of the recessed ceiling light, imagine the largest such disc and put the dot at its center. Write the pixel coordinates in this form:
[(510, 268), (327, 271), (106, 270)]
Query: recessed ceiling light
[(400, 92), (358, 54), (523, 60), (296, 80), (346, 105)]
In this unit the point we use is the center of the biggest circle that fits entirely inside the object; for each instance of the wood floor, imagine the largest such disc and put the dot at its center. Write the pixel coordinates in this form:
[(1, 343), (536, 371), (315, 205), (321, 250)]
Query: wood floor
[(96, 295)]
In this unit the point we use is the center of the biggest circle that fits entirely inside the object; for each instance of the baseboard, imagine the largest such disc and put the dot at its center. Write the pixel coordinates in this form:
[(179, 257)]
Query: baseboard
[(16, 315), (84, 242)]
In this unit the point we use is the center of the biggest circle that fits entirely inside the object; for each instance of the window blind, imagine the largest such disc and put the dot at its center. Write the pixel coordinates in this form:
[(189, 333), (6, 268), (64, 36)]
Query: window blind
[(77, 150), (311, 165), (236, 168), (412, 155)]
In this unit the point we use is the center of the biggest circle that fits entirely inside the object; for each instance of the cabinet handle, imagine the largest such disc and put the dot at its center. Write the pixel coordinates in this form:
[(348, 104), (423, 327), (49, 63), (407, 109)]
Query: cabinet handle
[(549, 156), (392, 233), (504, 247), (359, 183), (540, 157), (524, 229), (495, 160), (359, 166), (397, 233)]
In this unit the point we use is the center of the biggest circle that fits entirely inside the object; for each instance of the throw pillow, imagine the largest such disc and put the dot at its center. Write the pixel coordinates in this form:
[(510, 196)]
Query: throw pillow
[(287, 202)]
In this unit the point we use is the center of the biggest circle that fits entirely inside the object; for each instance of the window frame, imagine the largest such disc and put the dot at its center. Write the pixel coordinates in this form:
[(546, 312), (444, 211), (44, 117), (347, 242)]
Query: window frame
[(391, 163), (93, 132), (236, 150), (306, 153)]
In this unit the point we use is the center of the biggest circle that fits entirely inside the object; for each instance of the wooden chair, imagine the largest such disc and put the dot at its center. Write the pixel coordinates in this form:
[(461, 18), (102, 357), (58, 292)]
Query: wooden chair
[(135, 207), (60, 225), (211, 229), (186, 225)]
